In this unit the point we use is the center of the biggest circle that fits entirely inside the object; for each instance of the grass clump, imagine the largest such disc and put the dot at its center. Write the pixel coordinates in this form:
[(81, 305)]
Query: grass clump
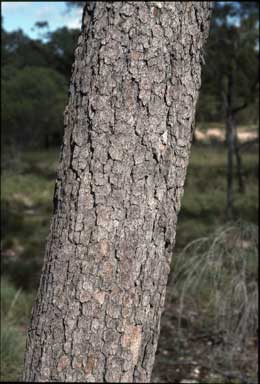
[(11, 352), (15, 314), (15, 304), (217, 275)]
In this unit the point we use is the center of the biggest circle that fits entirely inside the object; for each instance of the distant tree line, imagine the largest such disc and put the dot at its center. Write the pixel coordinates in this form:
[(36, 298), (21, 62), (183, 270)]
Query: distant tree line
[(232, 57), (36, 73), (35, 78), (230, 81)]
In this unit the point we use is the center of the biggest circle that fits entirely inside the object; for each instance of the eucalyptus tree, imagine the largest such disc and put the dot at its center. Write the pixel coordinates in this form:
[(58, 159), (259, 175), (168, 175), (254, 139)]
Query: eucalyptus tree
[(230, 90), (128, 132)]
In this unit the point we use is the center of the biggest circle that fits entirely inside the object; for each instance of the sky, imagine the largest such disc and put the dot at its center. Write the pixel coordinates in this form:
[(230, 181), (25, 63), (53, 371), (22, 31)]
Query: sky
[(24, 14)]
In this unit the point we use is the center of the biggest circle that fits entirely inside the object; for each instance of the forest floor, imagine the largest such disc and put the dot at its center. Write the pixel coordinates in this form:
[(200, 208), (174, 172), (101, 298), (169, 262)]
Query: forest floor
[(197, 355), (209, 325), (26, 203)]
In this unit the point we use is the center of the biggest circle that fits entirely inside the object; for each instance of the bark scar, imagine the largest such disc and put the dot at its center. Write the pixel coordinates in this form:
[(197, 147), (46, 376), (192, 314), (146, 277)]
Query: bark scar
[(131, 340)]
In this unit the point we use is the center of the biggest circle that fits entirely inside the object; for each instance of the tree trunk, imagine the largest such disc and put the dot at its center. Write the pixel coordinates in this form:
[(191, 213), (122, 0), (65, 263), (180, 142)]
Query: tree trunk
[(126, 148), (239, 165), (230, 151), (228, 101)]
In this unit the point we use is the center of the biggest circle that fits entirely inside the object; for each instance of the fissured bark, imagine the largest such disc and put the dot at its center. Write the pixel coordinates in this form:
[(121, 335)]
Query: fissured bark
[(128, 131)]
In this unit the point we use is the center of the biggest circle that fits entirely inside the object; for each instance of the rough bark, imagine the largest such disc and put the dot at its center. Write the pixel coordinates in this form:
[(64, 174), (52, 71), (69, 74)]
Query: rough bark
[(126, 147)]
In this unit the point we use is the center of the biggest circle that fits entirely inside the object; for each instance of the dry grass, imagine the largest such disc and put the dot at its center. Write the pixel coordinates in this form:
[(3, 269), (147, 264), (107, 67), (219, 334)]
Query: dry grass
[(218, 275), (15, 313)]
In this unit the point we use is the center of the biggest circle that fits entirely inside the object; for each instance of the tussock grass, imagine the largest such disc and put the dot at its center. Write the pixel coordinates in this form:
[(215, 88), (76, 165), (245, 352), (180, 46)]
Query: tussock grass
[(15, 314), (11, 352), (15, 303), (218, 274)]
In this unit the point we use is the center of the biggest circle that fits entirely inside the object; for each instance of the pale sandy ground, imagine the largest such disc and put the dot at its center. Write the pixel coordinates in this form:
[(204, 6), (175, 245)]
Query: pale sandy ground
[(219, 135)]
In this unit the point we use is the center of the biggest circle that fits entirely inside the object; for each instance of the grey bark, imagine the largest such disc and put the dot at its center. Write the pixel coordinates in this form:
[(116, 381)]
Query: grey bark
[(126, 147)]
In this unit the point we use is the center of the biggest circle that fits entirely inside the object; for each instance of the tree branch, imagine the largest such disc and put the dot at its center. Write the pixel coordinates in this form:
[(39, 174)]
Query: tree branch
[(237, 109)]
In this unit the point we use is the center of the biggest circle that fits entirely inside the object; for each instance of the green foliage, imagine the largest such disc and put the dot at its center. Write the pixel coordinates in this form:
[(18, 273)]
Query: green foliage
[(33, 100), (54, 50), (61, 44), (232, 48), (18, 51), (35, 76)]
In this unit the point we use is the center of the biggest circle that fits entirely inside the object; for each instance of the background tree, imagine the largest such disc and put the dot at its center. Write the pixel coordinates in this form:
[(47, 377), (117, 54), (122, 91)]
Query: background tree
[(35, 74), (128, 129), (235, 32), (230, 84), (61, 45), (33, 99)]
